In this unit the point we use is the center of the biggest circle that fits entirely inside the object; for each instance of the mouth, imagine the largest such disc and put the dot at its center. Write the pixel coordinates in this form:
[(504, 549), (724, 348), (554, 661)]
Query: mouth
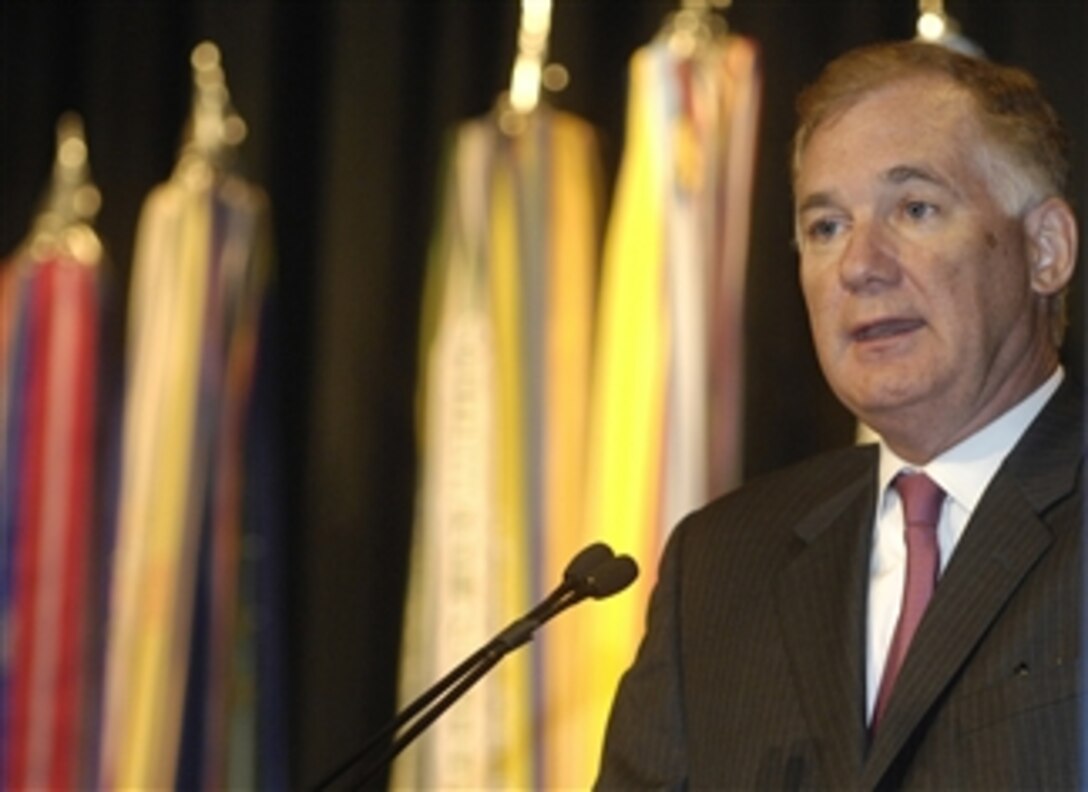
[(885, 329)]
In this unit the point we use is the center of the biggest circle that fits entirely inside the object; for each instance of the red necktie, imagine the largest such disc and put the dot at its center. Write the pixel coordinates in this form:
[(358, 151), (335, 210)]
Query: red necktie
[(921, 499)]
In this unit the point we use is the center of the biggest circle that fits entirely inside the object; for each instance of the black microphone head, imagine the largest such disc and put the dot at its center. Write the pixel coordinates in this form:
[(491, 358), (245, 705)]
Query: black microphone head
[(611, 577), (587, 561)]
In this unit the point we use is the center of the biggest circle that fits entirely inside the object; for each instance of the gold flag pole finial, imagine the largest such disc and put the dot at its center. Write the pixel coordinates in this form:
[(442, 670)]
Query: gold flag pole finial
[(72, 200), (531, 73), (696, 25), (533, 33), (215, 130), (936, 26), (933, 23)]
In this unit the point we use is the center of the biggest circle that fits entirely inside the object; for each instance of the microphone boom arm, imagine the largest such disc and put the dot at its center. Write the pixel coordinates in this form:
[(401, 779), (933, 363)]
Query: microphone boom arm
[(595, 572)]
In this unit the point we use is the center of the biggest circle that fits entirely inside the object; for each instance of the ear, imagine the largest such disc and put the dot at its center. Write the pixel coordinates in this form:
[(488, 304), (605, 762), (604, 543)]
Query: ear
[(1051, 230)]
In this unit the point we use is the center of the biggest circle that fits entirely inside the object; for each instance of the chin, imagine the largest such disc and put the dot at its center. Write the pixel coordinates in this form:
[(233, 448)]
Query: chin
[(875, 406), (880, 386)]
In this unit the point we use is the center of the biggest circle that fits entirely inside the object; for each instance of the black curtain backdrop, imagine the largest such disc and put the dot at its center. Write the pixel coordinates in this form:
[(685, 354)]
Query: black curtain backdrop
[(348, 105)]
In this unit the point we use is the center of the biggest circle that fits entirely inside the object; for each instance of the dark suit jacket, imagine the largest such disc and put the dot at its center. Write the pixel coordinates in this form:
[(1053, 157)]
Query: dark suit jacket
[(751, 673)]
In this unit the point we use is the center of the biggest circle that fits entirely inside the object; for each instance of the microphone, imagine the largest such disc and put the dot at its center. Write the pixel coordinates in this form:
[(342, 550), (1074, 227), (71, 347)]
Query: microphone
[(595, 572), (611, 577)]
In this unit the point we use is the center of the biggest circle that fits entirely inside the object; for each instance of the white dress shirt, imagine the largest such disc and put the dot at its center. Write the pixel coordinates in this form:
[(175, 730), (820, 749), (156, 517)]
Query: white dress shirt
[(963, 472)]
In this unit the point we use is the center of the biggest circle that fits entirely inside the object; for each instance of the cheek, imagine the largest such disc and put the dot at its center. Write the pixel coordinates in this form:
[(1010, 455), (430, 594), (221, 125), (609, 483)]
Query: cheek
[(815, 287), (822, 305), (814, 296), (977, 293)]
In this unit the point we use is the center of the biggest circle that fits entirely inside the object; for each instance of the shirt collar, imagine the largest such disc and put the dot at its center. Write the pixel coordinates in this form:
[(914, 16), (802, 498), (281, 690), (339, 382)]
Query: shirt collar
[(965, 470)]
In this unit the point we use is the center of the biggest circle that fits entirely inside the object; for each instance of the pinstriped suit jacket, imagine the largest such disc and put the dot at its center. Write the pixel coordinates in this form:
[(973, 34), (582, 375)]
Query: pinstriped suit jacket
[(751, 673)]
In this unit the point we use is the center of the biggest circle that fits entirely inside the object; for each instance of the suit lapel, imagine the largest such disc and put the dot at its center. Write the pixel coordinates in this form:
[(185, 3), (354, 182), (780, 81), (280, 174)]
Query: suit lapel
[(1001, 545), (1004, 539), (820, 601)]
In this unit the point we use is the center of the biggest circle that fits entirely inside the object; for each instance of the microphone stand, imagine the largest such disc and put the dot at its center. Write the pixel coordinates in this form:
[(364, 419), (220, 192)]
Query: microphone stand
[(595, 572), (457, 683)]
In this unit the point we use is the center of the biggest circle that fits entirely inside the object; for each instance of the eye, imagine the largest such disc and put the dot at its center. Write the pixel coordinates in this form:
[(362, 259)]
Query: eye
[(823, 229), (919, 210)]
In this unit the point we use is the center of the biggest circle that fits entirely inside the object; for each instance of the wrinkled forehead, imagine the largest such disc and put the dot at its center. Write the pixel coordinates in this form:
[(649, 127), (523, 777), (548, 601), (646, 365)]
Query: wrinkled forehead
[(916, 120), (904, 106)]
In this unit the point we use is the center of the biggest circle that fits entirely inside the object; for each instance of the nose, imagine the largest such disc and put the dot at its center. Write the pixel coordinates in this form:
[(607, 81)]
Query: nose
[(869, 260)]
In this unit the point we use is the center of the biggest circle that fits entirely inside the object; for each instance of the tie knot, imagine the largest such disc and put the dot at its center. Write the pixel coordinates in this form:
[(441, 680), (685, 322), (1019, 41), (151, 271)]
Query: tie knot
[(921, 498)]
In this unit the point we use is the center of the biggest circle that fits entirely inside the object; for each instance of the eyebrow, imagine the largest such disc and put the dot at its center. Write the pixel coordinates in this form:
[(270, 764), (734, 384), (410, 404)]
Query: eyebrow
[(899, 174), (817, 200)]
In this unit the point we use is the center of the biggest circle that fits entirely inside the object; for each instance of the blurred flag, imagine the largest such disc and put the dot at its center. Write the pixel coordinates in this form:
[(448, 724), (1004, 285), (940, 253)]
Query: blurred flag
[(505, 365), (176, 611), (183, 647), (666, 413), (49, 373)]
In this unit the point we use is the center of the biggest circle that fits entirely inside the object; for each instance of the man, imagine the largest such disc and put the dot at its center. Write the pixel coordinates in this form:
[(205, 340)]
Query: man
[(804, 631)]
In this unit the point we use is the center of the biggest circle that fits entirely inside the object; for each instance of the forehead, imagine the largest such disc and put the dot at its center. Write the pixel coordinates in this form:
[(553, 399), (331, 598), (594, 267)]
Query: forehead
[(918, 121)]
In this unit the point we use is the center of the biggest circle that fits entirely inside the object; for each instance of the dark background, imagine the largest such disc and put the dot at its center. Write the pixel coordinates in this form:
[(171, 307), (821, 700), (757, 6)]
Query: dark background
[(347, 105)]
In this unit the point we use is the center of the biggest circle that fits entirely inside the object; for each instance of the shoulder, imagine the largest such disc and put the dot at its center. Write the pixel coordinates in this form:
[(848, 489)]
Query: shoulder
[(797, 489), (769, 515)]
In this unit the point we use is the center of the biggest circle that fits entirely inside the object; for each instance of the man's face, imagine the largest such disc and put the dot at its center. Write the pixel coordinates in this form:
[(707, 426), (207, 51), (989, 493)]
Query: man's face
[(917, 282)]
